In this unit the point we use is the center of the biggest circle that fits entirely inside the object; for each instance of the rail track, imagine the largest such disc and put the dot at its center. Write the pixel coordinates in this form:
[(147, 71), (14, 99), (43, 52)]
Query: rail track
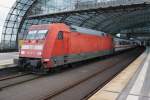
[(15, 75), (9, 70), (95, 80), (16, 78), (78, 87)]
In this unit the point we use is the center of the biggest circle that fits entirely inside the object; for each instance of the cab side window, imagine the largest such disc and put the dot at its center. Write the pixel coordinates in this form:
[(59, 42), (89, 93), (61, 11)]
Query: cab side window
[(60, 35)]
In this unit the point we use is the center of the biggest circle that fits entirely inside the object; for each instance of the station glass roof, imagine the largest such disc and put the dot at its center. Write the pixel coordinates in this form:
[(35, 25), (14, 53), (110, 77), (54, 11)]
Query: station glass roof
[(112, 16)]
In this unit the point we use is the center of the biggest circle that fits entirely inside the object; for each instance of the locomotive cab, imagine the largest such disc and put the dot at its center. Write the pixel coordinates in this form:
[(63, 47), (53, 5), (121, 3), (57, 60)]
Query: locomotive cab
[(57, 44), (42, 45), (33, 44), (32, 48)]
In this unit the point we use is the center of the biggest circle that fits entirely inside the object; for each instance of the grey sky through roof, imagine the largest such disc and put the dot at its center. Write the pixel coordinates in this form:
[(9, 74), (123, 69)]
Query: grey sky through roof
[(111, 16), (5, 6)]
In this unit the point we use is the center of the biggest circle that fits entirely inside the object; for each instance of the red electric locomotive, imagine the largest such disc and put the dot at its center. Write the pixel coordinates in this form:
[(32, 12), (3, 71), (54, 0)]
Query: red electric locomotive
[(52, 45)]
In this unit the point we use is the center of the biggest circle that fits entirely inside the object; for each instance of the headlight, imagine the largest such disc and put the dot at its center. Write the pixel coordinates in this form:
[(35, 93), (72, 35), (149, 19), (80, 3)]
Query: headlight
[(22, 52), (46, 60), (39, 53)]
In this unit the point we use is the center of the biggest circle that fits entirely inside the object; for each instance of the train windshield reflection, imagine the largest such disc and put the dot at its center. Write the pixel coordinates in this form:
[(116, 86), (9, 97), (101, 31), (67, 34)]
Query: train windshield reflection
[(36, 34)]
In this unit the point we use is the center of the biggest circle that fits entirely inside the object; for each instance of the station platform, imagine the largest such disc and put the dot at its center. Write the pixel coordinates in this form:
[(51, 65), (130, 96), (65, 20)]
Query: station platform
[(133, 83), (7, 58)]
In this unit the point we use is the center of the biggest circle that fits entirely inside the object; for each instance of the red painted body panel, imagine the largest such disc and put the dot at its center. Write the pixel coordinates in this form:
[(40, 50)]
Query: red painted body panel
[(52, 45), (72, 43), (84, 43), (61, 47)]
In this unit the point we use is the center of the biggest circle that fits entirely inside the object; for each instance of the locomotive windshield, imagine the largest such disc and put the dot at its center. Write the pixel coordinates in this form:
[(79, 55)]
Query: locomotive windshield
[(31, 35), (41, 34), (36, 34)]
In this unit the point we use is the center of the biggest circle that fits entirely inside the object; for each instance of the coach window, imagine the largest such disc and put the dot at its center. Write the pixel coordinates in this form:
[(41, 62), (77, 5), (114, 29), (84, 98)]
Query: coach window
[(60, 35)]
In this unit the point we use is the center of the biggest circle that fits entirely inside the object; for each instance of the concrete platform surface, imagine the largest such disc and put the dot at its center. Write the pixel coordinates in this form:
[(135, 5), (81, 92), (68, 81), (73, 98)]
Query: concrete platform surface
[(133, 83), (7, 58)]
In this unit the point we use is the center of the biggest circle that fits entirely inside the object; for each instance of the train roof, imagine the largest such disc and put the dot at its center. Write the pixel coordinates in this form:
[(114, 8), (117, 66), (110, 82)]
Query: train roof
[(86, 30), (73, 29)]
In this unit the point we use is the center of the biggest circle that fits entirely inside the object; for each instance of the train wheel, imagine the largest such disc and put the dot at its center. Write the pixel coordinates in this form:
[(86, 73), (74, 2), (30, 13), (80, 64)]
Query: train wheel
[(56, 69), (41, 70)]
